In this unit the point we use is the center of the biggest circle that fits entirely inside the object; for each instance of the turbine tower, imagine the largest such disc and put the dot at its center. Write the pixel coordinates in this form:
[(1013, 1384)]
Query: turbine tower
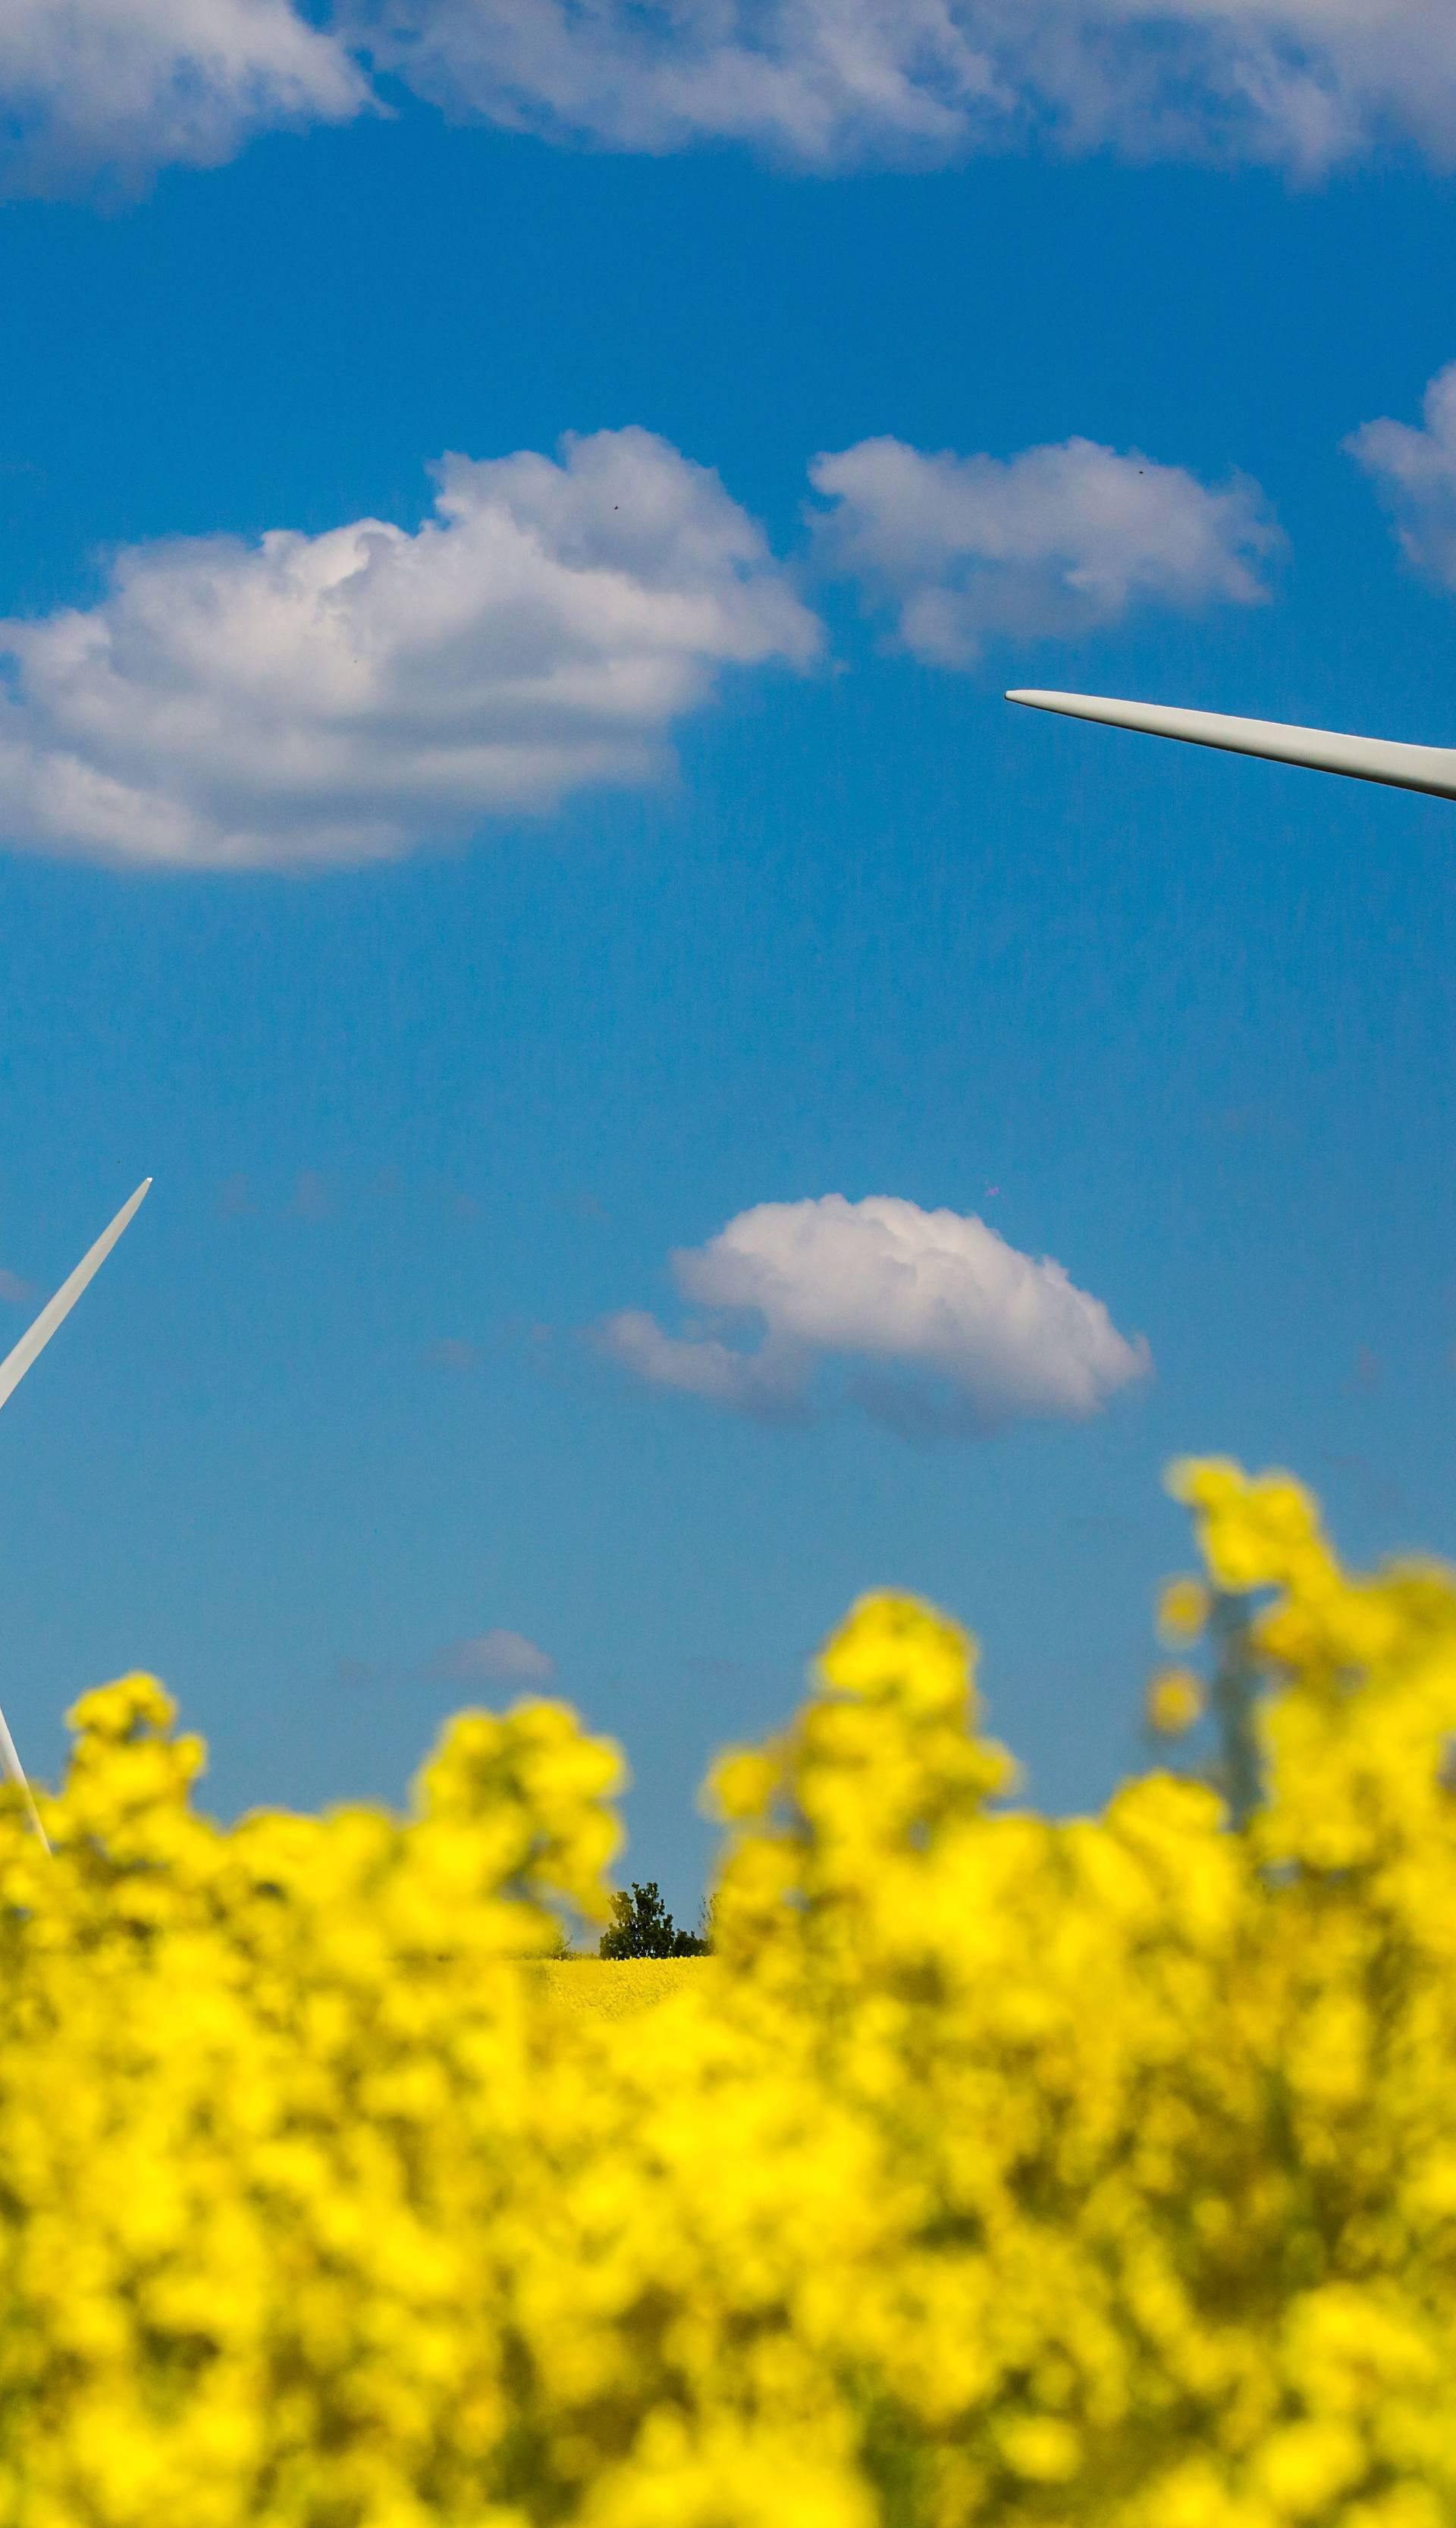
[(12, 1370), (1322, 749)]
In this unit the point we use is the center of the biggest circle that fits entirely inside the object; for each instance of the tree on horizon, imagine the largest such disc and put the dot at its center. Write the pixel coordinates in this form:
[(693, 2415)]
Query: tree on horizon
[(643, 1928)]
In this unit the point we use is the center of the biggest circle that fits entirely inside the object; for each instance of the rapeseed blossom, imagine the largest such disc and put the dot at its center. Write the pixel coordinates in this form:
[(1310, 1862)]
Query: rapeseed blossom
[(994, 2169)]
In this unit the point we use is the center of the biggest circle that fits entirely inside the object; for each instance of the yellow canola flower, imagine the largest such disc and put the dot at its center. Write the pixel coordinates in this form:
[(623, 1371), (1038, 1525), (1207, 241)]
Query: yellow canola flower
[(1175, 1702), (1183, 1610), (896, 1648), (1084, 2174)]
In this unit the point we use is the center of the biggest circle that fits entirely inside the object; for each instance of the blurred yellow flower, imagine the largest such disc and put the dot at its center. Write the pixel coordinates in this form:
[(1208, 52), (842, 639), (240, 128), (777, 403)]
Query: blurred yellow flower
[(998, 2172), (1183, 1609), (1175, 1702)]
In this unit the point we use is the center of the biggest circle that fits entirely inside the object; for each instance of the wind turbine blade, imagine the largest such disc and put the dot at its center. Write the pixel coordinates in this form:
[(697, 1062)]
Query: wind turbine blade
[(31, 1345), (12, 1370), (1322, 749), (12, 1768)]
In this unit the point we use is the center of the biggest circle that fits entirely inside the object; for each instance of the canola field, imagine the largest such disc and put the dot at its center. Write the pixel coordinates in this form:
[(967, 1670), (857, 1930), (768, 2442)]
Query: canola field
[(619, 1987), (995, 2169)]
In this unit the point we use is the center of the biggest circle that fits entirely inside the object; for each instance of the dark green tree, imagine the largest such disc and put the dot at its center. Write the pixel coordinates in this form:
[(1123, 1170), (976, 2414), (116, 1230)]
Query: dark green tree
[(643, 1928)]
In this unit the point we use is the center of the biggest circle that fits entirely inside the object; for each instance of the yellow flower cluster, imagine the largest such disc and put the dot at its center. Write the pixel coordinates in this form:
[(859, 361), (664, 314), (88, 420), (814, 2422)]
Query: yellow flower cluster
[(996, 2169)]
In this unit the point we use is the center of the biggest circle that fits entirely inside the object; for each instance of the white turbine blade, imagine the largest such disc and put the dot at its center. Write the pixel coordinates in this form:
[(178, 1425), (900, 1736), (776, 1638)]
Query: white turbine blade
[(31, 1345), (1322, 749), (12, 1370), (11, 1766)]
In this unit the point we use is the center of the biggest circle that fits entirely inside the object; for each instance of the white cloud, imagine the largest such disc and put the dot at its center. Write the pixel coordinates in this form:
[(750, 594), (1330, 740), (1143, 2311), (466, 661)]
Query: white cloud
[(112, 89), (1416, 473), (942, 1324), (1296, 82), (497, 1657), (1051, 541), (770, 1382), (117, 88), (354, 695)]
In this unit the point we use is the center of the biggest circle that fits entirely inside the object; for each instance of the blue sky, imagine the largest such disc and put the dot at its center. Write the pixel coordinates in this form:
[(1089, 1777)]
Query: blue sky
[(444, 1008)]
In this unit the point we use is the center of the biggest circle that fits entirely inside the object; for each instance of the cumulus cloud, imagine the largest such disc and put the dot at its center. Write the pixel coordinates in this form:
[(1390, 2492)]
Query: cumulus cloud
[(938, 1324), (965, 550), (112, 89), (121, 87), (497, 1657), (1301, 83), (1415, 471), (353, 695)]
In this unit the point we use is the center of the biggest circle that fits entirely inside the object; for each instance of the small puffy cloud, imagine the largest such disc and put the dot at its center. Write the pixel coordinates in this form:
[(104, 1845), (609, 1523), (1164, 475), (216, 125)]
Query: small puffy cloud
[(965, 550), (352, 696), (940, 1324), (13, 1290), (1301, 83), (108, 90), (494, 1659), (1415, 472), (497, 1657)]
